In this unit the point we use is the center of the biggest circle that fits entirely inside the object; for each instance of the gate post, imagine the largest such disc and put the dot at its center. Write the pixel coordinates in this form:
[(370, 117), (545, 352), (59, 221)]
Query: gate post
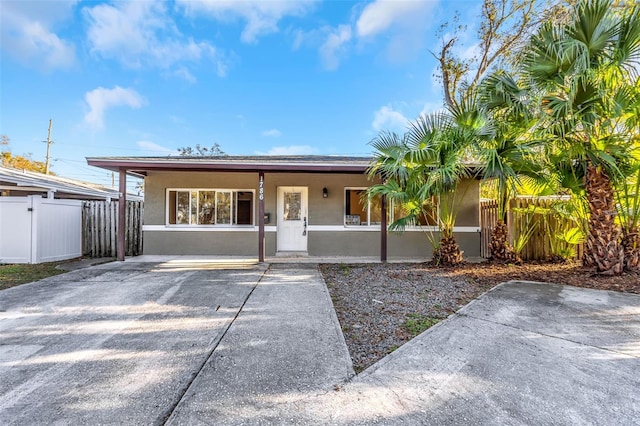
[(122, 210)]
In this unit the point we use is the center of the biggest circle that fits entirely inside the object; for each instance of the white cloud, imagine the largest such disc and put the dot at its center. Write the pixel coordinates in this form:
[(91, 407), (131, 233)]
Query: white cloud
[(380, 15), (290, 150), (184, 73), (101, 99), (404, 23), (261, 17), (26, 32), (334, 46), (141, 33), (154, 148), (386, 118), (273, 133)]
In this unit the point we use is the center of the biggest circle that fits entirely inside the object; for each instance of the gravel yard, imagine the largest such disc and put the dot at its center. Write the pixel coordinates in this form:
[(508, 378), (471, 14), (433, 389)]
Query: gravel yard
[(382, 306)]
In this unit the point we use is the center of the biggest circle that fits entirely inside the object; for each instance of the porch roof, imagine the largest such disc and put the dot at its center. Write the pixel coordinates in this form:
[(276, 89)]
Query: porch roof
[(291, 163)]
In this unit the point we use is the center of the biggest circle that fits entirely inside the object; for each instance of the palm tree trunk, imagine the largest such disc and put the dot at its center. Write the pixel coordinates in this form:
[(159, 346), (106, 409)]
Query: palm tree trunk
[(603, 249), (631, 246), (499, 248), (448, 253)]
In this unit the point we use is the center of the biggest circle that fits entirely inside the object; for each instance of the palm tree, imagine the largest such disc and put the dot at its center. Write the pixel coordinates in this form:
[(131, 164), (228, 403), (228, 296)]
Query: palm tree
[(423, 164), (585, 71), (508, 154)]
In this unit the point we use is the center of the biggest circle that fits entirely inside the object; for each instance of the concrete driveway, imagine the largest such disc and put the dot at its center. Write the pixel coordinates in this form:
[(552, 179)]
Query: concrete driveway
[(230, 344), (113, 344)]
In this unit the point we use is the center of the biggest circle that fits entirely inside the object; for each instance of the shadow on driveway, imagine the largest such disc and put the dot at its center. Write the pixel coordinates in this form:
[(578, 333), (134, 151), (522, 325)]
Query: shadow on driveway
[(218, 343)]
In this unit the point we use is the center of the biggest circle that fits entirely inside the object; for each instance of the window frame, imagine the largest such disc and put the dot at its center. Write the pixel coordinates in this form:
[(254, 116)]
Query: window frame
[(392, 214), (367, 209), (233, 209)]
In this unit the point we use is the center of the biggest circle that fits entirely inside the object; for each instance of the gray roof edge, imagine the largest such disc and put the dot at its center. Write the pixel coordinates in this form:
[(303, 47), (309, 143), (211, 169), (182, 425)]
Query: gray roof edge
[(56, 183), (242, 159)]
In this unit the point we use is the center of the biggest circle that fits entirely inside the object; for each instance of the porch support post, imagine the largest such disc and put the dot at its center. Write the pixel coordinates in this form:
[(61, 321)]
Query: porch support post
[(383, 230), (122, 213), (261, 216)]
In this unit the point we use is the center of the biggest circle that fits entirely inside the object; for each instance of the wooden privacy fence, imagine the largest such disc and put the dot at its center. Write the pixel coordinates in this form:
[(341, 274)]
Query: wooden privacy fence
[(525, 213), (100, 228), (488, 221)]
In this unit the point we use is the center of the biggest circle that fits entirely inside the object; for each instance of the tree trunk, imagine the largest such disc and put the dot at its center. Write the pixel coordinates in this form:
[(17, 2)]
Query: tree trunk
[(448, 253), (603, 249), (499, 248), (631, 246)]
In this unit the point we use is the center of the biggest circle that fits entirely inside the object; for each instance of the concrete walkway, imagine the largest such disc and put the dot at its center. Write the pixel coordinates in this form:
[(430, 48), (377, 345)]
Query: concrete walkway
[(223, 343), (285, 345), (522, 354)]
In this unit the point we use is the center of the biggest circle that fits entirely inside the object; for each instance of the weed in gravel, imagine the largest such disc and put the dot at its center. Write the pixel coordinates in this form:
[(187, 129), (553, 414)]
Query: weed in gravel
[(345, 269), (416, 324)]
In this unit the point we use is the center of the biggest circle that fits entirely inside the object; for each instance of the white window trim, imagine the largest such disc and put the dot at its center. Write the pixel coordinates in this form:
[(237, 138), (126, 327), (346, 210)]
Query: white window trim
[(311, 228), (369, 225), (390, 209), (428, 228), (234, 195)]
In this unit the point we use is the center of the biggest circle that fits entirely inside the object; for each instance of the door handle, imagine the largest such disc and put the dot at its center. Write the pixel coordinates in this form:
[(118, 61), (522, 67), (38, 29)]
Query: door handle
[(304, 232)]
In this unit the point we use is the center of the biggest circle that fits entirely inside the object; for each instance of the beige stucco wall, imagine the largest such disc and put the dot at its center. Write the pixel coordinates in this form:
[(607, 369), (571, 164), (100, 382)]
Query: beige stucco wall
[(322, 211), (201, 243), (468, 202), (416, 244)]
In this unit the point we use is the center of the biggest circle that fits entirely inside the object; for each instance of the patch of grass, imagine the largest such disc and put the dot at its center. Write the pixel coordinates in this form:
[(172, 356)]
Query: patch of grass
[(416, 324), (12, 275), (345, 269)]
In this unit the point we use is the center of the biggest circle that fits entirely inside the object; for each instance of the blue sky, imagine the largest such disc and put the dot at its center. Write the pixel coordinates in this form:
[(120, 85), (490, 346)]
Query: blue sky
[(142, 78)]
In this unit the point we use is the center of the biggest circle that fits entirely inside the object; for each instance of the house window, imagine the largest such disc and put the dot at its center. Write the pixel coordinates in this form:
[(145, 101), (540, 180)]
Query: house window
[(210, 207), (358, 211), (428, 216)]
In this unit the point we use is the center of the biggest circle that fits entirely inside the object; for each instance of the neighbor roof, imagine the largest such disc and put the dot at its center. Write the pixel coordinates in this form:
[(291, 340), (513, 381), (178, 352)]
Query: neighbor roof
[(263, 163), (28, 182)]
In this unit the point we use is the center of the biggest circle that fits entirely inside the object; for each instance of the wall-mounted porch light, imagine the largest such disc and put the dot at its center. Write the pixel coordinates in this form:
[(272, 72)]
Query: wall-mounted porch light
[(325, 192)]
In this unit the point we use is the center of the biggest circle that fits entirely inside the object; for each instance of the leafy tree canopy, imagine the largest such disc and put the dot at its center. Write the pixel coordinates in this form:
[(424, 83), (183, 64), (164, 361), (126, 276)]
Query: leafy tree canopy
[(22, 162), (504, 28)]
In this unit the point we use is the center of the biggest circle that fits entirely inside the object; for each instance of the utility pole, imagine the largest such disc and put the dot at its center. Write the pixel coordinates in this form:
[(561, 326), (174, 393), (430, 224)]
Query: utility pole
[(49, 142)]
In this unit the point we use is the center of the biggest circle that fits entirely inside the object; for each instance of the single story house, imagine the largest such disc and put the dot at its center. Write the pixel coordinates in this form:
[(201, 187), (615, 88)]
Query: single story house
[(275, 205)]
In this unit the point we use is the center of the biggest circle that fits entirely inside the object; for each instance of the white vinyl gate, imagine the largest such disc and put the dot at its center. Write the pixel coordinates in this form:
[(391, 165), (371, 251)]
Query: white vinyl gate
[(35, 229)]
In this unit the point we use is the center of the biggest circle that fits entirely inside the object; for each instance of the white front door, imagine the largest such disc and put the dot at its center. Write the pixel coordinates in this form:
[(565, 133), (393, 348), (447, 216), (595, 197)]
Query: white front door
[(292, 218)]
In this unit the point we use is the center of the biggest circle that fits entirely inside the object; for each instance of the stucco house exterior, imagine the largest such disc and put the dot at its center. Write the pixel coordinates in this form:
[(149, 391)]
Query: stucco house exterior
[(273, 206)]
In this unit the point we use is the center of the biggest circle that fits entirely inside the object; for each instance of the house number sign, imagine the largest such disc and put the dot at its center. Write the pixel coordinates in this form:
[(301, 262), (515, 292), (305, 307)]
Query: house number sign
[(261, 189)]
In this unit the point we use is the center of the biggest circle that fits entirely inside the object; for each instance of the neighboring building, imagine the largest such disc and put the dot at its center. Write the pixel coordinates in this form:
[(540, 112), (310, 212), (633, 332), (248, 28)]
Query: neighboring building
[(41, 215), (274, 205), (20, 183)]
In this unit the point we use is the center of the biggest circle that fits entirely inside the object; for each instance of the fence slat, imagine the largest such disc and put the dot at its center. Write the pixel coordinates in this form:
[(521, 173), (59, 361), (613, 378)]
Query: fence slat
[(488, 221), (100, 228), (519, 219)]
